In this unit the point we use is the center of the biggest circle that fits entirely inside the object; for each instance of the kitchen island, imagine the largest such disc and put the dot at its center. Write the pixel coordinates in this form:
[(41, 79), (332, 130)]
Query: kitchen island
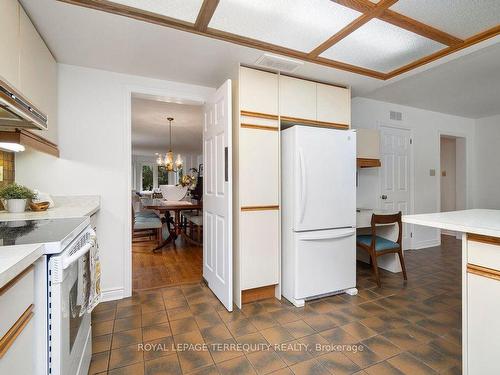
[(480, 283)]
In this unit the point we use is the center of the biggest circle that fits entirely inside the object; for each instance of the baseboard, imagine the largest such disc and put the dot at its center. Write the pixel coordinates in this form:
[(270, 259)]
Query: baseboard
[(112, 294), (426, 244)]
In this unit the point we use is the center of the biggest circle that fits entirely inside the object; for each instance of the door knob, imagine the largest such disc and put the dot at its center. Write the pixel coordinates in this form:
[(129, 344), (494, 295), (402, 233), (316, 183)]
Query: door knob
[(384, 196)]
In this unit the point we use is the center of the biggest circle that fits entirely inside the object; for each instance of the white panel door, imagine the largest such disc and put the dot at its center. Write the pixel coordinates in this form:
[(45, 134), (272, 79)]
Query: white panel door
[(325, 164), (395, 155), (217, 196)]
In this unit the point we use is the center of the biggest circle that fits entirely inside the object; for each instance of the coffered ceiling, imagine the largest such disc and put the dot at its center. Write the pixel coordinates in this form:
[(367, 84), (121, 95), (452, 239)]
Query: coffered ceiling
[(380, 39)]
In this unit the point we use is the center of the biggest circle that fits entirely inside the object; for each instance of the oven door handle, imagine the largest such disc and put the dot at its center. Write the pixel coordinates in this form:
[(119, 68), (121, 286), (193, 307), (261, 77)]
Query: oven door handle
[(66, 262)]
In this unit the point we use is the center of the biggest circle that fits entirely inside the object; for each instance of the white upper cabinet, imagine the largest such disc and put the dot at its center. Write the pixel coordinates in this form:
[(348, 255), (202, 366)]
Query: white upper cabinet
[(258, 91), (297, 98), (38, 75), (333, 104), (368, 143), (9, 42)]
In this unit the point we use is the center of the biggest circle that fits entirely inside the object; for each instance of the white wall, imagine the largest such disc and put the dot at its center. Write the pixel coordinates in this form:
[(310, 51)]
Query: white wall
[(488, 158), (448, 174), (426, 127), (94, 140)]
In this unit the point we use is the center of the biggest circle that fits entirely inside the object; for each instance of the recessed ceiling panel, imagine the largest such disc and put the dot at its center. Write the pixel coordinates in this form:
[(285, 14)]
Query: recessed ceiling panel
[(185, 10), (297, 24), (460, 18), (380, 46)]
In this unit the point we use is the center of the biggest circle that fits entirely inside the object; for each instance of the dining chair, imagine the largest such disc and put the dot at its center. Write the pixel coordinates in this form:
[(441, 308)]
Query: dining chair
[(377, 246)]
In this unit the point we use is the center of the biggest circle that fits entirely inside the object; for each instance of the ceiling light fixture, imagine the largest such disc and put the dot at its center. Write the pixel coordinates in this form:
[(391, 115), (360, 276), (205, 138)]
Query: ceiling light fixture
[(168, 161)]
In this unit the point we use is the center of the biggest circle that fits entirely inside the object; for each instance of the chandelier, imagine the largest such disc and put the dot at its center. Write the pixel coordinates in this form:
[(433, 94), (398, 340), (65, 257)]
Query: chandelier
[(168, 161)]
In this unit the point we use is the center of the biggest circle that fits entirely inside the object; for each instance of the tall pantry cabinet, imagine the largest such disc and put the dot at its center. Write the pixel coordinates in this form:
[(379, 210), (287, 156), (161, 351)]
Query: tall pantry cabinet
[(256, 193), (262, 103)]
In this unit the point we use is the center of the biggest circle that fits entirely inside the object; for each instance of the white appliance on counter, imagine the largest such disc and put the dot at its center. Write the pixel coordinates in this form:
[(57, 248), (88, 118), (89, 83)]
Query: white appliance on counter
[(318, 212), (63, 327)]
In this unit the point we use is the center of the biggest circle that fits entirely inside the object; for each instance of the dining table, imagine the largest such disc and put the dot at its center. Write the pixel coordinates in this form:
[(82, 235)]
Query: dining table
[(165, 208)]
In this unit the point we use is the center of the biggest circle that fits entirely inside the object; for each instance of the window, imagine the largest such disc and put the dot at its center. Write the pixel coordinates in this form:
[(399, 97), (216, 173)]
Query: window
[(147, 177), (162, 175)]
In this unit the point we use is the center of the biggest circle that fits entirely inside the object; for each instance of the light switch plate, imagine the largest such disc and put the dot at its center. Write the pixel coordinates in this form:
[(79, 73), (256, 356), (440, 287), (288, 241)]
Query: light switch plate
[(432, 172), (1, 172)]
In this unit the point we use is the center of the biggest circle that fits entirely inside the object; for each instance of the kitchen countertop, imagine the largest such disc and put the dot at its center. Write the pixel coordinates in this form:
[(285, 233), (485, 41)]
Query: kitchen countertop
[(477, 221), (15, 259), (65, 207)]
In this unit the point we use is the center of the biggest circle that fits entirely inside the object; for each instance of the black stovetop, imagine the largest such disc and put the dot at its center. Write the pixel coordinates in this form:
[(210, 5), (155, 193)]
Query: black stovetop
[(24, 232)]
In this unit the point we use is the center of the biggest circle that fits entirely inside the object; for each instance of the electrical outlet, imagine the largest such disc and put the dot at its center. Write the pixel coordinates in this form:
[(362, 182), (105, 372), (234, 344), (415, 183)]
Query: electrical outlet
[(1, 172), (432, 172)]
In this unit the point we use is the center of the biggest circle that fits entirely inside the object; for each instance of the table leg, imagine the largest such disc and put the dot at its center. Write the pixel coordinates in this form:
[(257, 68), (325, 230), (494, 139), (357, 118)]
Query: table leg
[(172, 237)]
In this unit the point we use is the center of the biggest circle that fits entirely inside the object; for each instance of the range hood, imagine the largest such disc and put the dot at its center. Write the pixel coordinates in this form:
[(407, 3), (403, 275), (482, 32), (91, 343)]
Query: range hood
[(18, 113)]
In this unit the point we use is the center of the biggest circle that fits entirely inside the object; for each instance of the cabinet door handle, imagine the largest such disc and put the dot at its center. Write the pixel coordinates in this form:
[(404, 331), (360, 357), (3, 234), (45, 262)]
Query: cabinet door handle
[(483, 271), (8, 339)]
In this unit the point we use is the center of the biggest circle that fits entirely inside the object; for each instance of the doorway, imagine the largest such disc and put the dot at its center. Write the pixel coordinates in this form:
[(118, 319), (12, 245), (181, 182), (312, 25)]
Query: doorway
[(452, 175), (167, 244)]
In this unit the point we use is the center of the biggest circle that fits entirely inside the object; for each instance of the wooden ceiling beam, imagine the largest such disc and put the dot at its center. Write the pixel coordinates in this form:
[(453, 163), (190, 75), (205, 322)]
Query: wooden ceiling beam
[(404, 22), (353, 26), (478, 38), (205, 15)]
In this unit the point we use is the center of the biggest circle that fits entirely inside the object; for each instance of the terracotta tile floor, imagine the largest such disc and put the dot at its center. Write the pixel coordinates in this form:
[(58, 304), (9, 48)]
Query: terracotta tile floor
[(401, 328)]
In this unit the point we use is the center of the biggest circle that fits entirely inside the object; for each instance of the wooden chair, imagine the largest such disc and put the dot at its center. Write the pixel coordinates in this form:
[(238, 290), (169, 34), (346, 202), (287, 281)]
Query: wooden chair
[(145, 226), (377, 246)]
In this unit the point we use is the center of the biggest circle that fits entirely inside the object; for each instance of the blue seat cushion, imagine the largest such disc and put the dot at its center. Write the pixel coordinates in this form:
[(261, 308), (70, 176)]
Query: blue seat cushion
[(147, 223), (381, 243), (147, 214)]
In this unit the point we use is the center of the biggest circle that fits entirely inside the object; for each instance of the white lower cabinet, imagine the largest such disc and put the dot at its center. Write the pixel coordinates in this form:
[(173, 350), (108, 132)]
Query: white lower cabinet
[(483, 325), (19, 357), (259, 248)]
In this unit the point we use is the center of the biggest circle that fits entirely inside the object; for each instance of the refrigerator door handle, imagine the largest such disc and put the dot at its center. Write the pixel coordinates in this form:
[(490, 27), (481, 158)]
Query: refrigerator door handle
[(328, 236), (303, 191)]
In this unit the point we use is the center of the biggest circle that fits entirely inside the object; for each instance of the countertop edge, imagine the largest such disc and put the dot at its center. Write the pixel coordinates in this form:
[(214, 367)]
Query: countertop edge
[(450, 226), (21, 264)]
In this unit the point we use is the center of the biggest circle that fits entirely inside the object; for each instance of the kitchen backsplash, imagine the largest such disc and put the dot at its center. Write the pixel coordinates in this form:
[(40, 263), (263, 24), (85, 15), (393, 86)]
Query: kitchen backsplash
[(7, 162)]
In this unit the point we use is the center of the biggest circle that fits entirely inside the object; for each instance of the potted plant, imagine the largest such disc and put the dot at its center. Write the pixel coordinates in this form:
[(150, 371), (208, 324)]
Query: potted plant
[(15, 197)]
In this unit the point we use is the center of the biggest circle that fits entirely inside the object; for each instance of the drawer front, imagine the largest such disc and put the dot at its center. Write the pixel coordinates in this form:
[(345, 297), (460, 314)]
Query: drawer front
[(260, 250), (18, 358), (483, 251), (15, 298)]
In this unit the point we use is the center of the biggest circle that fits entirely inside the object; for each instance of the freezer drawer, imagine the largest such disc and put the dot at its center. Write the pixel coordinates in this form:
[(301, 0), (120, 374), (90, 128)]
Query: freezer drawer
[(325, 262)]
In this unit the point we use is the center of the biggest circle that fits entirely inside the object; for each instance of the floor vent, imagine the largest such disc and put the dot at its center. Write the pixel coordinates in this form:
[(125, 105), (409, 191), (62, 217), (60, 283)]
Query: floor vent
[(396, 116), (278, 63)]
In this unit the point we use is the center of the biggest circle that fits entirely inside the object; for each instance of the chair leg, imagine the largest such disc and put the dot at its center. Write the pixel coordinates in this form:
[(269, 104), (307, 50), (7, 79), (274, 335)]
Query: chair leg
[(159, 236), (373, 258), (402, 261)]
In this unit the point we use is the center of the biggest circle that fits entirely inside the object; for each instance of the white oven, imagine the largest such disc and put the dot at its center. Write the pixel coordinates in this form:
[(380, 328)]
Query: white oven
[(69, 331)]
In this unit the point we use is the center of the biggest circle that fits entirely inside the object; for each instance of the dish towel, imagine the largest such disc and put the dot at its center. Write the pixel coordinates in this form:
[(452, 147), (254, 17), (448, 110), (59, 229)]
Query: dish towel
[(79, 307), (95, 293)]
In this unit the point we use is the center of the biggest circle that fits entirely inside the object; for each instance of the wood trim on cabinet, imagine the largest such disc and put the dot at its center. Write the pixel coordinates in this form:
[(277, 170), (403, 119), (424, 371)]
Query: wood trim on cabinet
[(484, 239), (483, 271), (367, 163), (257, 294), (30, 139), (259, 127), (322, 124), (353, 26), (11, 335), (207, 10), (259, 115), (11, 283), (260, 208)]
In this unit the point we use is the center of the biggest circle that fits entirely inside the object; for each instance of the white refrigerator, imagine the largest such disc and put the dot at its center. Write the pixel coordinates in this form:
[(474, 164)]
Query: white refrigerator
[(318, 212)]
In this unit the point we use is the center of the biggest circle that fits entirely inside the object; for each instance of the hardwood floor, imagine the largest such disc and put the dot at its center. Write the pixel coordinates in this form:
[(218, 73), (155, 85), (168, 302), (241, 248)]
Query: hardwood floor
[(177, 265)]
